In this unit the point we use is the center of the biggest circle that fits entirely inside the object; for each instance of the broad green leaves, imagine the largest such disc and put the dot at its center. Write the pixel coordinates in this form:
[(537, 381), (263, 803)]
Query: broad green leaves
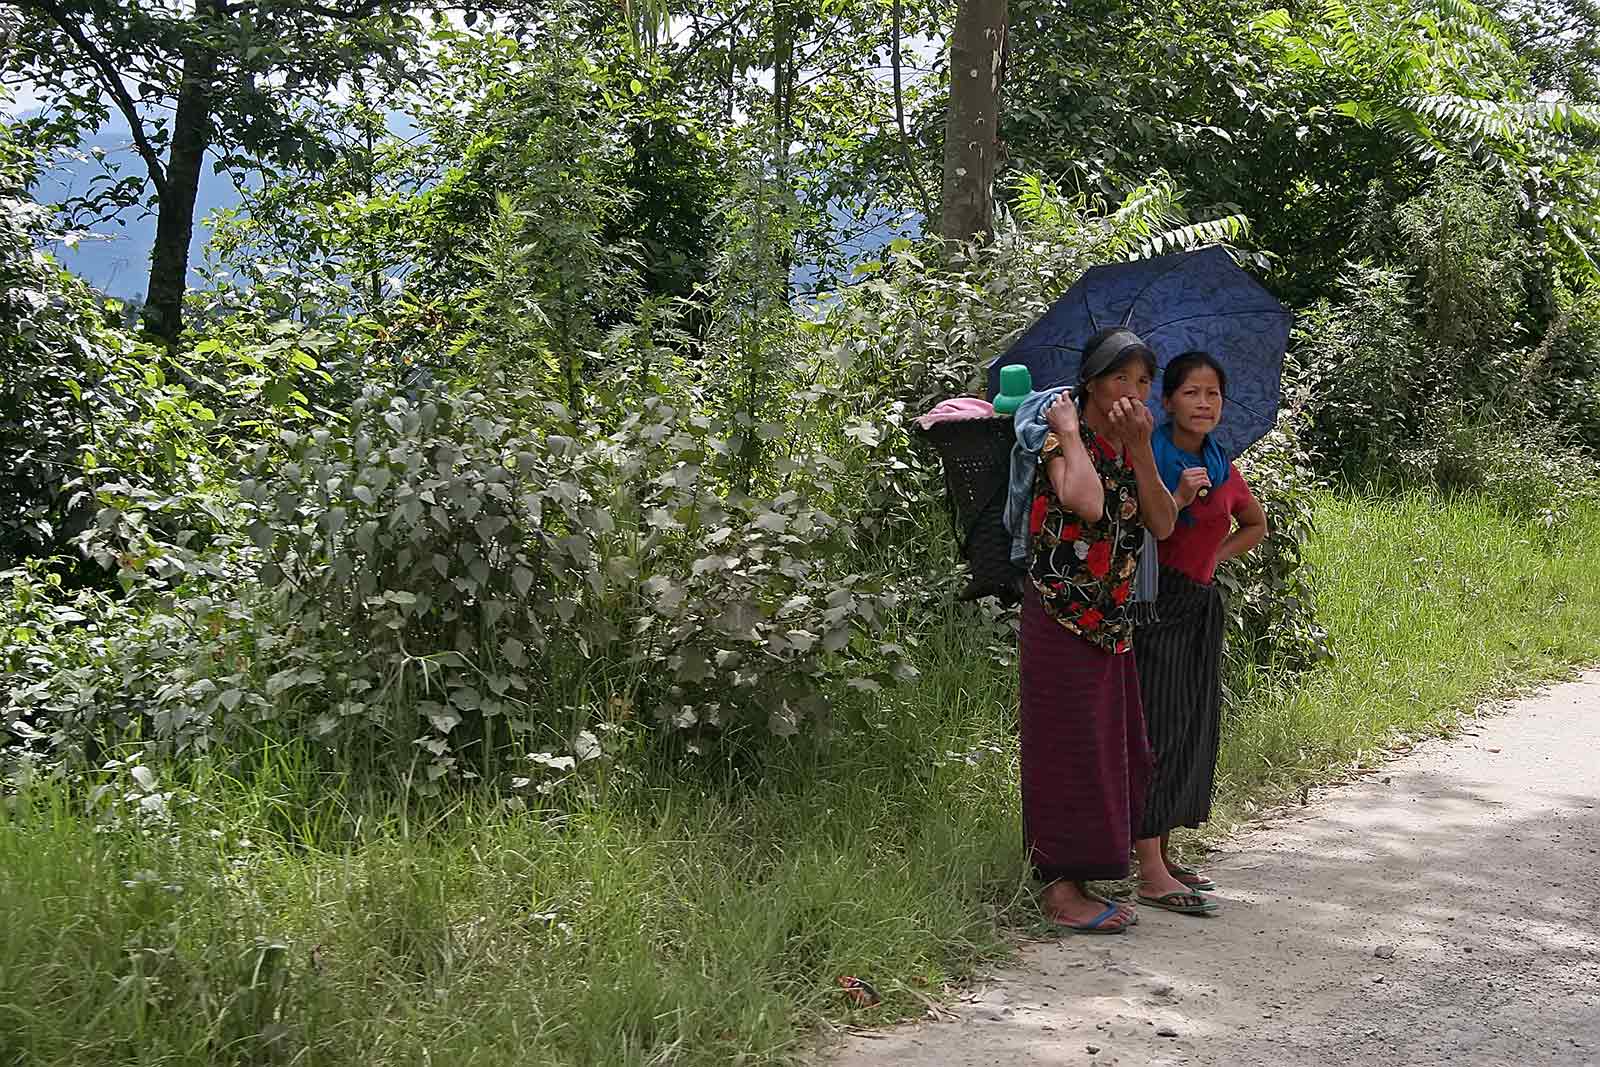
[(423, 580), (1442, 78)]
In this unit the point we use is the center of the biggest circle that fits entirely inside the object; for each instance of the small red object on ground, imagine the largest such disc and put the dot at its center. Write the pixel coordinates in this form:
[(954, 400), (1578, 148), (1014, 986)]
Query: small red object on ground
[(860, 992)]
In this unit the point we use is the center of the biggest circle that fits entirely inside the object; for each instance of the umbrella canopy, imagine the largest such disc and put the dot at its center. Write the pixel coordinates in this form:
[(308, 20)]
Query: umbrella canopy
[(1177, 303)]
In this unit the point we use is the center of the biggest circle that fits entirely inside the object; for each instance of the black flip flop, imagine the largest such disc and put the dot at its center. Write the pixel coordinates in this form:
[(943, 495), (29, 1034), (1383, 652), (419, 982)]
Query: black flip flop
[(1171, 902), (1191, 878)]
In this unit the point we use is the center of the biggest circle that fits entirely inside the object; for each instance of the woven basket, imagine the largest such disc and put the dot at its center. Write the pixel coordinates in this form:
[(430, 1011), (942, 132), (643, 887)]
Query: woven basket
[(976, 457)]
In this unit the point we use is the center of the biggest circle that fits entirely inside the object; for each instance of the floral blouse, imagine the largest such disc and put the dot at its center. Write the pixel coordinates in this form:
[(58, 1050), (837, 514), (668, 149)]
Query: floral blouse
[(1084, 571)]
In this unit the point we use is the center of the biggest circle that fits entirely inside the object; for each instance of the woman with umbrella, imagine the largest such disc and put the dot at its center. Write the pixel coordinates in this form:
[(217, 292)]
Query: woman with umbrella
[(1085, 756), (1073, 767), (1180, 653)]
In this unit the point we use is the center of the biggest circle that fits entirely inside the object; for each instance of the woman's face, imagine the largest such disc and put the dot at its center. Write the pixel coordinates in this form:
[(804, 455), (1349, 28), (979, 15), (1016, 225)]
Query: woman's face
[(1196, 406), (1131, 380)]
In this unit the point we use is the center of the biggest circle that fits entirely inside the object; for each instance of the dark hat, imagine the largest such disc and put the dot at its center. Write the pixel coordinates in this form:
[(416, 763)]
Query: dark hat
[(1113, 348)]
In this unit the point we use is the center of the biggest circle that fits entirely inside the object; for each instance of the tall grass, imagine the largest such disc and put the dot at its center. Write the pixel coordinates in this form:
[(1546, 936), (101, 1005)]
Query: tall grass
[(694, 918), (689, 915), (1431, 606)]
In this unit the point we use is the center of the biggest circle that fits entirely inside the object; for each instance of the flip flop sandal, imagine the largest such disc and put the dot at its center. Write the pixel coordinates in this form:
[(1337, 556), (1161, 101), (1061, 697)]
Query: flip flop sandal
[(1178, 902), (1192, 879), (1133, 916), (1095, 925)]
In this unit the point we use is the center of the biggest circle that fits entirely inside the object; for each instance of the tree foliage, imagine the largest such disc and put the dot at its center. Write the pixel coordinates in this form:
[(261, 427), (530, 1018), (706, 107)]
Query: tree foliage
[(548, 391), (223, 77)]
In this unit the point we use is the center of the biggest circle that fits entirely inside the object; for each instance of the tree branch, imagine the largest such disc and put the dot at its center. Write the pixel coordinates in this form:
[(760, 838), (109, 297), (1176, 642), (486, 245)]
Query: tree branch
[(350, 14), (900, 118), (700, 40), (822, 37), (346, 15), (112, 81)]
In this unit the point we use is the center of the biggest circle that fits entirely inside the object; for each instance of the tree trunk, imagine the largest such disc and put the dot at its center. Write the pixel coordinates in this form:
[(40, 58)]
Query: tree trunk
[(191, 136), (971, 138), (783, 86)]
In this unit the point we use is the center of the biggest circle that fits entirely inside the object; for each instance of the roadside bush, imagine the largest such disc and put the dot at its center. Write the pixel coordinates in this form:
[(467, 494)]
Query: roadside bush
[(51, 335), (1530, 471), (444, 581), (1562, 373), (1366, 370), (83, 402), (1271, 593), (1473, 269), (433, 585), (1424, 370)]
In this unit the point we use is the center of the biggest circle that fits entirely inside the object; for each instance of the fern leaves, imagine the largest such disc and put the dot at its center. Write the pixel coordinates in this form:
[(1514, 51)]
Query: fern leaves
[(1441, 78)]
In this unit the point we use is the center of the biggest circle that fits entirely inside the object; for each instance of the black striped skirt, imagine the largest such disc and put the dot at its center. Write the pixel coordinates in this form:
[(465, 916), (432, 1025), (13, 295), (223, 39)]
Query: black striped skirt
[(1180, 680)]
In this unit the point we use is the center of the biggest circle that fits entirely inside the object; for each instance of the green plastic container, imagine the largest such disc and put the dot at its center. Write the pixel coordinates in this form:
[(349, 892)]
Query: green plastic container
[(1016, 382)]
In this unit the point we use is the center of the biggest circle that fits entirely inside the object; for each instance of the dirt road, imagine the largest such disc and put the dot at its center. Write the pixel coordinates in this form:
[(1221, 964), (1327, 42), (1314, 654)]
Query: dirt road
[(1445, 910)]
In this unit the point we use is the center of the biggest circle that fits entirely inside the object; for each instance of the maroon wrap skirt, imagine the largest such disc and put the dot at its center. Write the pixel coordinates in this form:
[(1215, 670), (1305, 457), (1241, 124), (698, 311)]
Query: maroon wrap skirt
[(1086, 761)]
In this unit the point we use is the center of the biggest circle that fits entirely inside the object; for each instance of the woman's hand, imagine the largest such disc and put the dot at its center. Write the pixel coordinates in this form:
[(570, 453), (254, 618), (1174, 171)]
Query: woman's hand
[(1062, 415), (1193, 480), (1132, 423)]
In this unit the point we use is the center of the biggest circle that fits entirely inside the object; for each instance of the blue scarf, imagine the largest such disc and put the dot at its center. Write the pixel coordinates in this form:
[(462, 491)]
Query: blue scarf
[(1172, 461)]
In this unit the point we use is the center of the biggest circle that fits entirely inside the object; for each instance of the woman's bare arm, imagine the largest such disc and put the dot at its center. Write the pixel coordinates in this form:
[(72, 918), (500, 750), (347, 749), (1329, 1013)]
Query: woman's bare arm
[(1076, 482), (1252, 529), (1072, 474)]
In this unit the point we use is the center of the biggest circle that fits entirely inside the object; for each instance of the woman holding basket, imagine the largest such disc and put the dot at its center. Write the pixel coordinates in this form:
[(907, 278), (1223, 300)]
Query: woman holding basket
[(1086, 760)]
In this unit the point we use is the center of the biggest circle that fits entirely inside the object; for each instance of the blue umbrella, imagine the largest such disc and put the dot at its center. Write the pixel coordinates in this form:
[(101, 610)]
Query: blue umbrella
[(1177, 303)]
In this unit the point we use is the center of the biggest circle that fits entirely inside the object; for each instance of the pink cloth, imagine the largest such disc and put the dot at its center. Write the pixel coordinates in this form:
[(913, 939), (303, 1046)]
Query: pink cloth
[(956, 409)]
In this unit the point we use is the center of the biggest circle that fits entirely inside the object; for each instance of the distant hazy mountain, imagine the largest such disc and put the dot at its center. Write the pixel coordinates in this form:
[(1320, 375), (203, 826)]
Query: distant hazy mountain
[(119, 261)]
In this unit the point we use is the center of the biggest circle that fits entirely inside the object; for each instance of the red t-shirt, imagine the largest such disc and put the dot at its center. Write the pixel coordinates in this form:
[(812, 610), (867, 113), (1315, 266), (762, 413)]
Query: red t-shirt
[(1192, 546)]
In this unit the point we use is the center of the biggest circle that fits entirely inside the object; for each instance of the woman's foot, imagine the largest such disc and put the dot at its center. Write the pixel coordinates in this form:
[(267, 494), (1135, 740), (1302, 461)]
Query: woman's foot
[(1184, 902), (1104, 899), (1069, 904), (1157, 885), (1191, 878)]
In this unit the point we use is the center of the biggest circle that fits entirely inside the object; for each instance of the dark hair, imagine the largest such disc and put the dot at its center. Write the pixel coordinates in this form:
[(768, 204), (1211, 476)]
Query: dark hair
[(1136, 349), (1179, 369)]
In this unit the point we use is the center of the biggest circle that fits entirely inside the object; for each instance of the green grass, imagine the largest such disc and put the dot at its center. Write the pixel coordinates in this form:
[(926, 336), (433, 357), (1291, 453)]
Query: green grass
[(679, 922), (1431, 607), (280, 917)]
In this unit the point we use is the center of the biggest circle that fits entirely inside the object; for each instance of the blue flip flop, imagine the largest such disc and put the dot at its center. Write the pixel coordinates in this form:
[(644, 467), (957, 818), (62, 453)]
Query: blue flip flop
[(1133, 916), (1096, 925)]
